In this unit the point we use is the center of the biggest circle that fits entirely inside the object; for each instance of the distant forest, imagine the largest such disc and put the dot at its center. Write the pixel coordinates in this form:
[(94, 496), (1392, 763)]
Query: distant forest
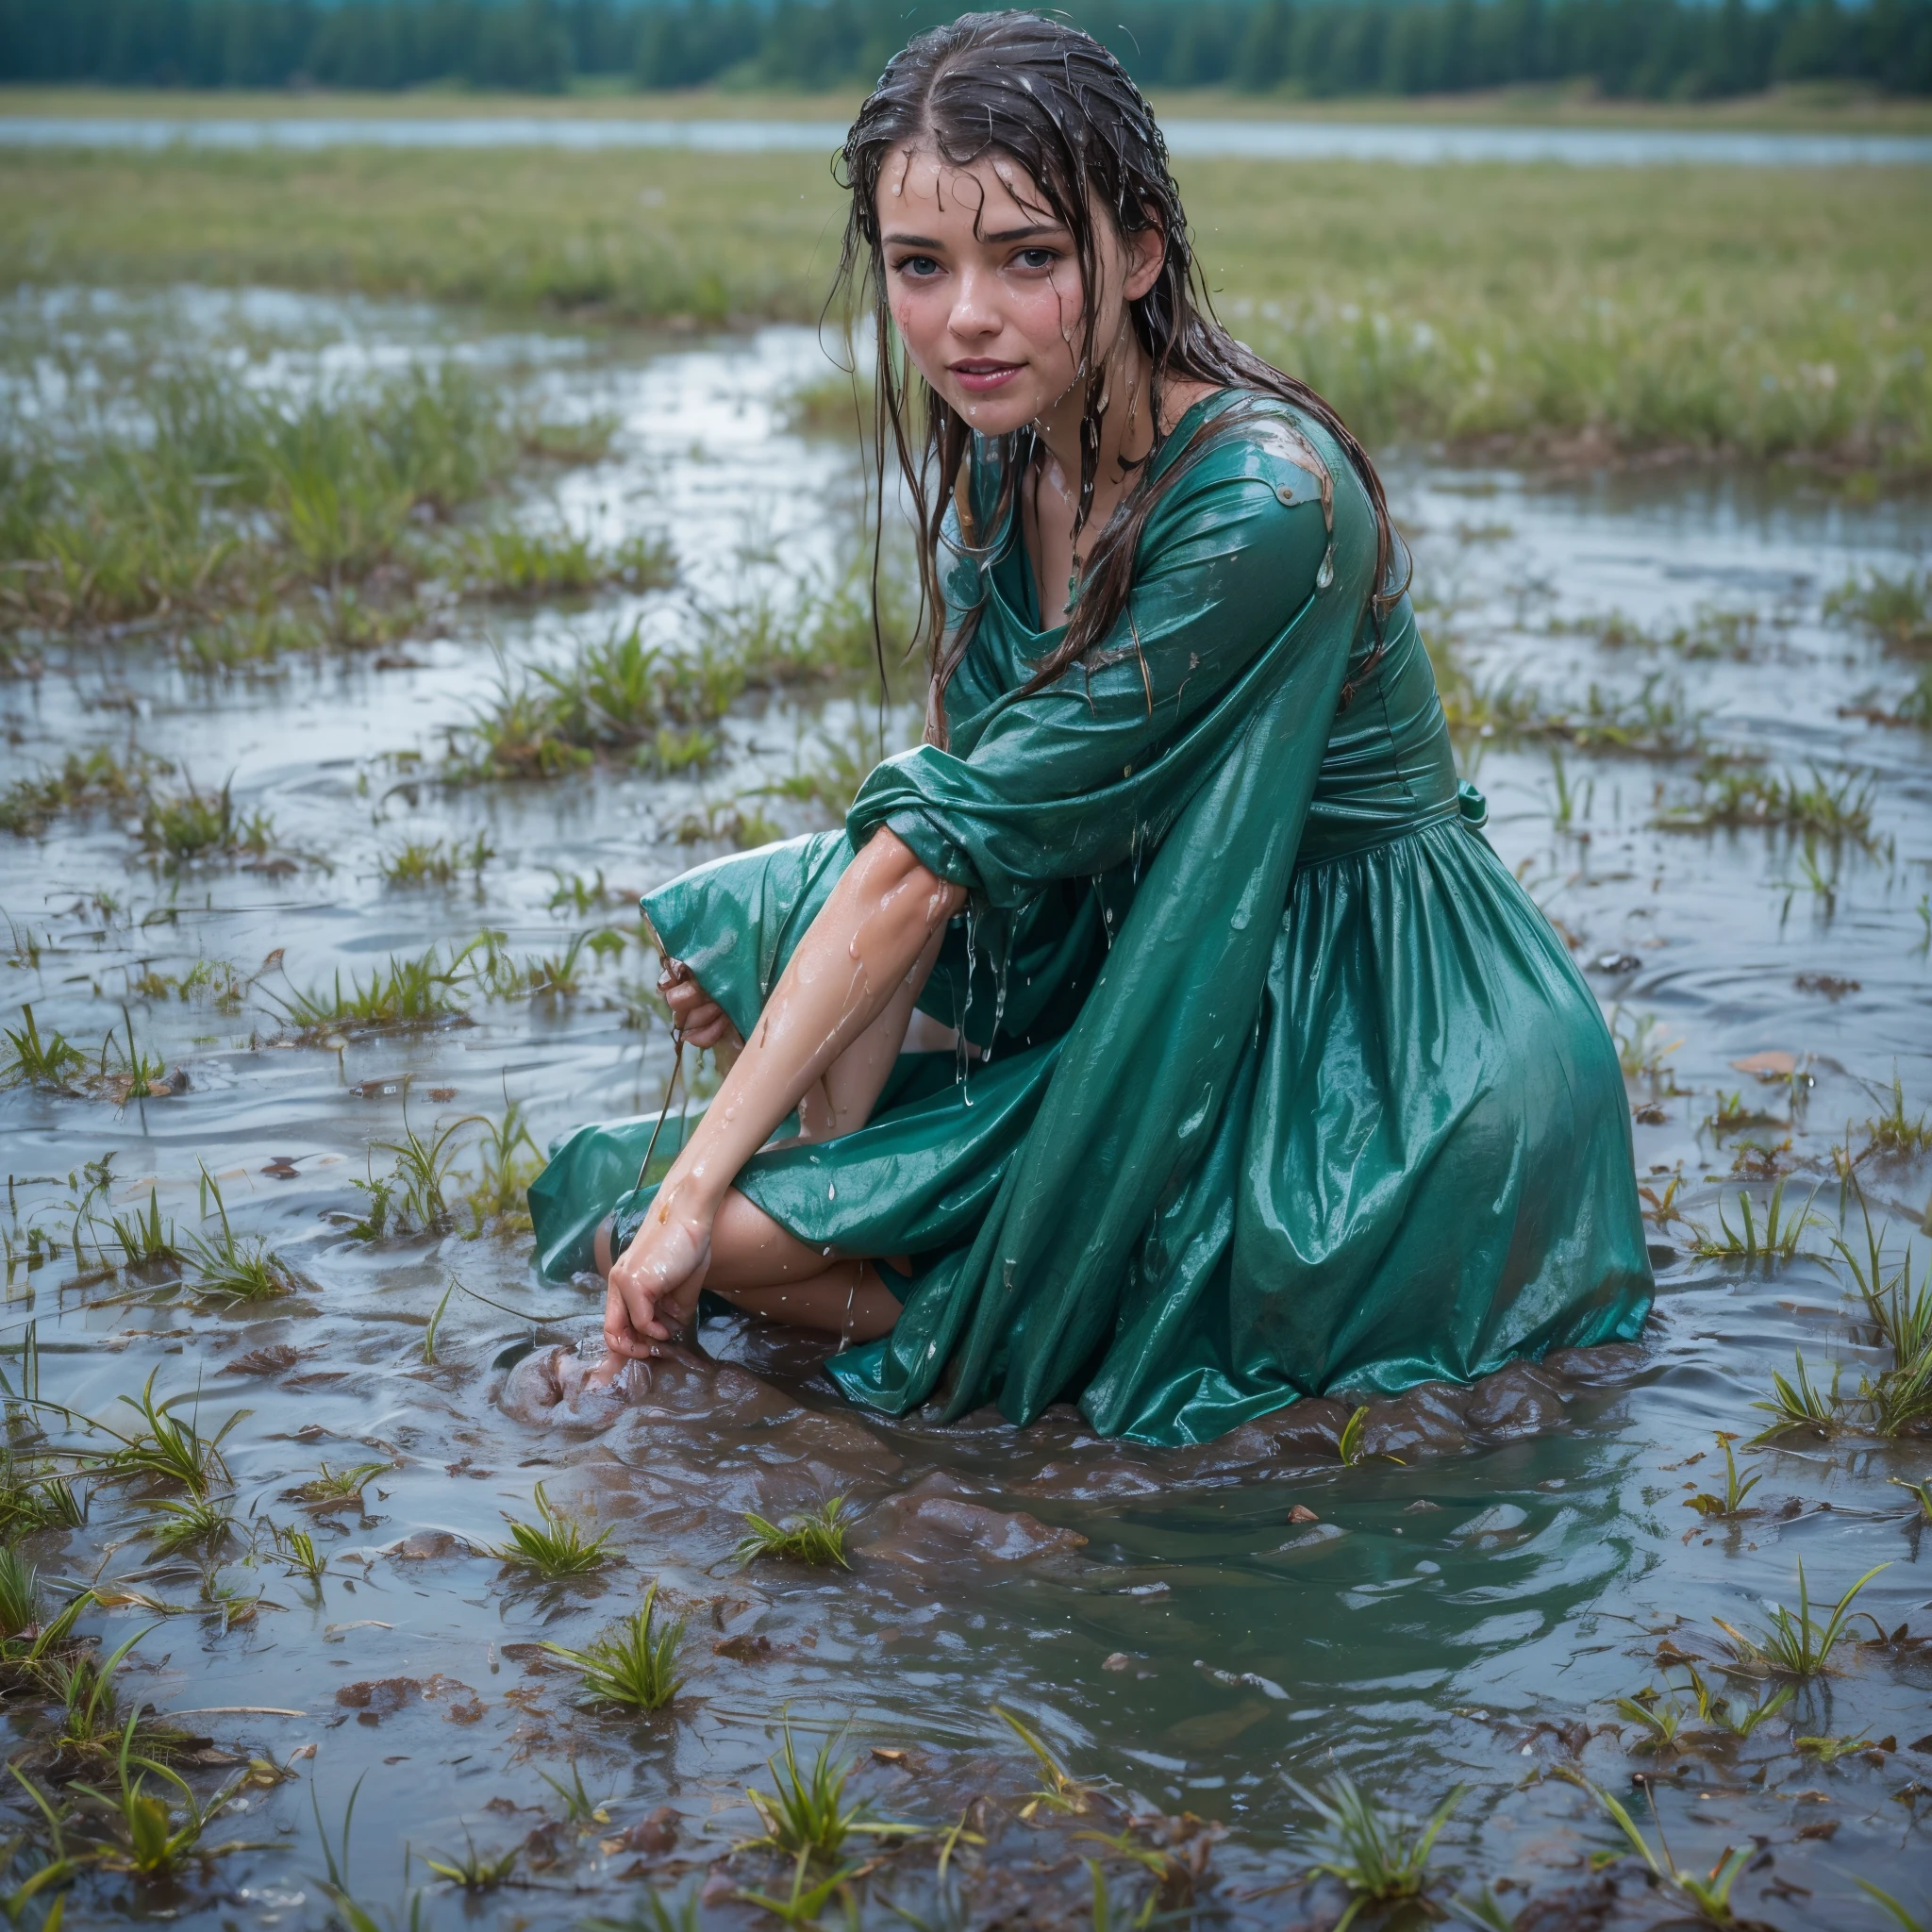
[(1655, 49)]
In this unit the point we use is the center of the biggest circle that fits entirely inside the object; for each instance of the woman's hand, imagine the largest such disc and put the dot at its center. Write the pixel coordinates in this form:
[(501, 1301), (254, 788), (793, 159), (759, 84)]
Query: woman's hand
[(655, 1283), (696, 1018)]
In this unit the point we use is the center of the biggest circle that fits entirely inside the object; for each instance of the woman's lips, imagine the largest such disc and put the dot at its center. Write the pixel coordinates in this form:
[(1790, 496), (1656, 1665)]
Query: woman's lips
[(979, 378)]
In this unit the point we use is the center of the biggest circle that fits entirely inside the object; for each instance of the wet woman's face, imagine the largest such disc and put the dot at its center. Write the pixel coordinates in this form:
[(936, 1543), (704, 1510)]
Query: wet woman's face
[(985, 285)]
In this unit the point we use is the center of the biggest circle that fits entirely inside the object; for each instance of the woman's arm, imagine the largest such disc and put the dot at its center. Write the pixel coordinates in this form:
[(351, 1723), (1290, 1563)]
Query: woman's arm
[(860, 957)]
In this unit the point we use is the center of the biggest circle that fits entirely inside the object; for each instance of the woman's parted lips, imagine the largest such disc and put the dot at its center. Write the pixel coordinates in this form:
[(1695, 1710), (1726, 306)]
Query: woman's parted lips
[(981, 373)]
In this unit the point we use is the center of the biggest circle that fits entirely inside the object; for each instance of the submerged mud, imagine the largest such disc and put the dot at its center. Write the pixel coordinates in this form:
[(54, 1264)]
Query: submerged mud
[(1465, 1601)]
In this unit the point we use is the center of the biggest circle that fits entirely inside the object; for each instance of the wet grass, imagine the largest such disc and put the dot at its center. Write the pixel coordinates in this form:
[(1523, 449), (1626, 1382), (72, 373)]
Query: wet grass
[(1835, 809), (158, 1836), (1897, 611), (553, 1547), (403, 992), (1751, 1245), (435, 862), (1799, 1645), (83, 780), (805, 1814), (220, 497), (1380, 1858), (815, 1536), (410, 1200), (633, 1666), (616, 696), (510, 562), (35, 1060), (1768, 313), (1708, 1894), (180, 827)]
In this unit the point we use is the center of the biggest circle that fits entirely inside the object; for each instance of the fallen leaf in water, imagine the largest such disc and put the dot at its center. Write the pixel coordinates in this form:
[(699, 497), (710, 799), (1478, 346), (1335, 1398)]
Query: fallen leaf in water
[(1302, 1513), (1768, 1066), (272, 1360), (443, 1094), (281, 1168)]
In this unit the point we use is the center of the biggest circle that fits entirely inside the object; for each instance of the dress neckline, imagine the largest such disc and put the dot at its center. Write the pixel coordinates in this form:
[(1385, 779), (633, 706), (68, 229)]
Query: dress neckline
[(1026, 619)]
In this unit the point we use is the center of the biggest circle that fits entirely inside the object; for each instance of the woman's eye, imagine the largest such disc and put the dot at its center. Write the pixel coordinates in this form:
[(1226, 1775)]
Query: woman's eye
[(921, 267), (1037, 257)]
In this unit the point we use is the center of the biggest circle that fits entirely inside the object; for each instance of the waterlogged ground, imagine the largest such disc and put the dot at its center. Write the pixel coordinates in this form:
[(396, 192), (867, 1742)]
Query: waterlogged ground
[(1189, 1631)]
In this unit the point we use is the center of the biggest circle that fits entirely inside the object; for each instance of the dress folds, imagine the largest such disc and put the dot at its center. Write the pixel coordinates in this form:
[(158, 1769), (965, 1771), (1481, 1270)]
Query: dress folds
[(1279, 1084)]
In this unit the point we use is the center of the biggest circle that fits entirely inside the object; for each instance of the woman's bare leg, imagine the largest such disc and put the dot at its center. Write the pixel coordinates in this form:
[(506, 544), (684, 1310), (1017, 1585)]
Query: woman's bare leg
[(767, 1270)]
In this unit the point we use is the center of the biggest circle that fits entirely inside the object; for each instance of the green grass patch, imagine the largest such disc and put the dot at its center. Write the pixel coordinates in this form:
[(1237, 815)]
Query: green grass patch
[(633, 1666), (1736, 311)]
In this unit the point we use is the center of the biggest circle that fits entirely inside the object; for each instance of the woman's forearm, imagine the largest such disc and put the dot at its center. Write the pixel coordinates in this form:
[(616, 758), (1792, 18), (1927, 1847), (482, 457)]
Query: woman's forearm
[(858, 954)]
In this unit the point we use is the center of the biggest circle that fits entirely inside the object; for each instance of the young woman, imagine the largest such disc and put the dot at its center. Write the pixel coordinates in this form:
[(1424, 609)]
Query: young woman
[(1161, 1034)]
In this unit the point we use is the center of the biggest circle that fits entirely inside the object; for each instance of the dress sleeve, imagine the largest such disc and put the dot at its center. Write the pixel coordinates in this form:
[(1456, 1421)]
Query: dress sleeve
[(1070, 781)]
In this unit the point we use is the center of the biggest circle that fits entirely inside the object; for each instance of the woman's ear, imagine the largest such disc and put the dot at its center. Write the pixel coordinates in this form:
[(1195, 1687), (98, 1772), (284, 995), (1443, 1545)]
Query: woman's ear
[(1146, 252)]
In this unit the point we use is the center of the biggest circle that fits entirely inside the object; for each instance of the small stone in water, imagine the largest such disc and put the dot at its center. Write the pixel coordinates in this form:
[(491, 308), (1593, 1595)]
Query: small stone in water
[(1302, 1513)]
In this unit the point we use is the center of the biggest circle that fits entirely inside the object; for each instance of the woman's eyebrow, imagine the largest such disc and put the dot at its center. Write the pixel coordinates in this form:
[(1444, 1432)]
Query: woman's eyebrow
[(911, 242)]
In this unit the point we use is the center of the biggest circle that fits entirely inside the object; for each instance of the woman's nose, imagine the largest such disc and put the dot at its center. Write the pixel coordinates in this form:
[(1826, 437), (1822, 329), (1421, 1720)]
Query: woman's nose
[(975, 307)]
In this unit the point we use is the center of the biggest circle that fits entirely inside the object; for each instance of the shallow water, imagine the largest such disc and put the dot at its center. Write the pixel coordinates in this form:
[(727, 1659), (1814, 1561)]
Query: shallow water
[(1198, 140), (1466, 1614)]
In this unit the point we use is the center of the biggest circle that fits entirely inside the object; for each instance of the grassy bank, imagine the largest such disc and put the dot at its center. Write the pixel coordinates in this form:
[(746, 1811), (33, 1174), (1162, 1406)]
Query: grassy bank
[(1760, 313), (1819, 109)]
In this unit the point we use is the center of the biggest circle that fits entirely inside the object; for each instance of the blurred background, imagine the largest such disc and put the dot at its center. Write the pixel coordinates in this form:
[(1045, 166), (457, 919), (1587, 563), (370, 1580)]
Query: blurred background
[(1681, 50)]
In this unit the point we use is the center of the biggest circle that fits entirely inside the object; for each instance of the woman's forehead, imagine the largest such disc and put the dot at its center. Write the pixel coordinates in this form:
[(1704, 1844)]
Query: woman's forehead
[(985, 189)]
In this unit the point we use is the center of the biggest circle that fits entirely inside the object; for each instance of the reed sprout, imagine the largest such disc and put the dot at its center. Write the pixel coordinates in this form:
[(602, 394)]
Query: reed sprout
[(474, 1871), (1060, 1790), (1795, 1404), (332, 1487), (234, 1267), (1709, 1893), (1799, 1645), (401, 992), (435, 862), (805, 1814), (1378, 1856), (163, 1448), (37, 1062), (188, 1523), (633, 1666), (157, 1841), (553, 1547), (1730, 1505), (181, 828), (1777, 1242), (814, 1536)]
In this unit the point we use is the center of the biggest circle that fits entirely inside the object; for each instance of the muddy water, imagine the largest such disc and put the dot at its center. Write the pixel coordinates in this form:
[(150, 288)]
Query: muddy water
[(1465, 1615)]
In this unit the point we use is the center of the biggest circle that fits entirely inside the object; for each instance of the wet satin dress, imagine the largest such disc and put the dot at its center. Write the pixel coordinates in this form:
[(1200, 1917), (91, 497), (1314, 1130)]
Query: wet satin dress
[(1284, 1086)]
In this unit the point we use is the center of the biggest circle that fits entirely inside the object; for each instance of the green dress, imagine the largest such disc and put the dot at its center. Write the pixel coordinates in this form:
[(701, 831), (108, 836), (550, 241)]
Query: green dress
[(1283, 1087)]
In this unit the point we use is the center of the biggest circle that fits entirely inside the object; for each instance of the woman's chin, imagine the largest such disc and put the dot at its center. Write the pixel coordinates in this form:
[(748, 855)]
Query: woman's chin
[(998, 412)]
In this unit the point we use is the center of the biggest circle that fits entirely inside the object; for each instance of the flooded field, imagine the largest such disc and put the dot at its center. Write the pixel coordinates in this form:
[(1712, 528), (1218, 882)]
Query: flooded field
[(321, 851)]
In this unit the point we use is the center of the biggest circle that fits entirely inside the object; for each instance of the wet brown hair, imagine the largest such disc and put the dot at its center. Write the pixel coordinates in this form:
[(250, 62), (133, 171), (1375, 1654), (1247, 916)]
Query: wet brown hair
[(1056, 102)]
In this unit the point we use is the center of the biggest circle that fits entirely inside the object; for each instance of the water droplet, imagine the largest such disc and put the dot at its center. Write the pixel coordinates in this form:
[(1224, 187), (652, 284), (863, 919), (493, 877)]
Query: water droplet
[(1325, 575)]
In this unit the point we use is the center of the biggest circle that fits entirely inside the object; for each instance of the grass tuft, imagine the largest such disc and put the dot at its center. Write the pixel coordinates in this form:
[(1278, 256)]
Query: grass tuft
[(817, 1536), (632, 1666), (37, 1062), (1897, 610), (1382, 1858), (553, 1547), (1800, 1645)]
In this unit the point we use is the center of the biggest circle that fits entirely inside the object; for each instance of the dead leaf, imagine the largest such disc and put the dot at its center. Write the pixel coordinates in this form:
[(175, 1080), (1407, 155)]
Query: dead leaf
[(1768, 1066)]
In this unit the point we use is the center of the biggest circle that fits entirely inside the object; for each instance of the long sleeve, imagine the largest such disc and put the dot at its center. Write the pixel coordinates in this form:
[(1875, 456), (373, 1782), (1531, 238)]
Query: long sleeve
[(1071, 781)]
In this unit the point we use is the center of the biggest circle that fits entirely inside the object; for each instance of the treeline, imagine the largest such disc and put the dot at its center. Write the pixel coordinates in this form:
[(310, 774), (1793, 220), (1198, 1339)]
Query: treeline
[(1678, 49)]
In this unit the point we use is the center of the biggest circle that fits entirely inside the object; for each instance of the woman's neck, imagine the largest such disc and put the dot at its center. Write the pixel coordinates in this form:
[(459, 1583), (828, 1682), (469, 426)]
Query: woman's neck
[(1124, 420)]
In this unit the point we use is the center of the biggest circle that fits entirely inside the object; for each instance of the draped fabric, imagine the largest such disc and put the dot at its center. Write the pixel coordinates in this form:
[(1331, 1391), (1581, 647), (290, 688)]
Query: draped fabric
[(1280, 1084)]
